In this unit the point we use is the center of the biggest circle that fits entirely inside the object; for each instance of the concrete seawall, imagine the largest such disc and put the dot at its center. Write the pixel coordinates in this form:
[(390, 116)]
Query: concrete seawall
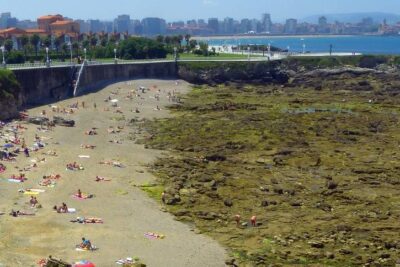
[(96, 77), (47, 85)]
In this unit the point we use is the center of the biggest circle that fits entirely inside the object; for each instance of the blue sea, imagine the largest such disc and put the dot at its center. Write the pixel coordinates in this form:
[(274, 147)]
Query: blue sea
[(359, 44)]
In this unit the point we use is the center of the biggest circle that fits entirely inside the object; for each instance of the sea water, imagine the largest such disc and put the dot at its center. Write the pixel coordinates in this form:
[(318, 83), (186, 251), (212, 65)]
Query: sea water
[(384, 45)]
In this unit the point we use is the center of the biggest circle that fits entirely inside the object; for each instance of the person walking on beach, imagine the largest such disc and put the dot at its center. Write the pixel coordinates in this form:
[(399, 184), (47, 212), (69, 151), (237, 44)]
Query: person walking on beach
[(163, 197), (26, 152)]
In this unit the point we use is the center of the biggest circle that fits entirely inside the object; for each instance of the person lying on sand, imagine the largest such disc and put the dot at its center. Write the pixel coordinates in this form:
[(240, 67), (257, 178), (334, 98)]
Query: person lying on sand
[(100, 179), (47, 182), (17, 213), (87, 146), (52, 176), (91, 132), (119, 142), (74, 166), (21, 177), (50, 153), (87, 220), (113, 163)]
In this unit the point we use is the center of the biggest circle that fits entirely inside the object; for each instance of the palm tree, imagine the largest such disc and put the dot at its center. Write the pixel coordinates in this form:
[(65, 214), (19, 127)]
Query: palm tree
[(187, 39), (58, 41), (34, 40)]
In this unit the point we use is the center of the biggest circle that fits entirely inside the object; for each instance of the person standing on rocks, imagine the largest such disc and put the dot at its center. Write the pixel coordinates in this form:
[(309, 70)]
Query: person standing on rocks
[(253, 220), (237, 219)]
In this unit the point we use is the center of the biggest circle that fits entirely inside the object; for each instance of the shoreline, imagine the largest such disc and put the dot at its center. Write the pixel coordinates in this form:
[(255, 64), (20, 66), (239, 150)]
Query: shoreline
[(279, 36)]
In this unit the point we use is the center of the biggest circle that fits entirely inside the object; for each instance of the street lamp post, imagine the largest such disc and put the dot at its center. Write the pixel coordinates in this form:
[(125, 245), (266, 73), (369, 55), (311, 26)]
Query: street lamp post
[(84, 52), (248, 55), (70, 50), (115, 55), (175, 54), (3, 50), (47, 57)]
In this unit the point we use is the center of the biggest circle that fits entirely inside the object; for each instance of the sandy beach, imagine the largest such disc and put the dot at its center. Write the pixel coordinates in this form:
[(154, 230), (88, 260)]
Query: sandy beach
[(127, 212)]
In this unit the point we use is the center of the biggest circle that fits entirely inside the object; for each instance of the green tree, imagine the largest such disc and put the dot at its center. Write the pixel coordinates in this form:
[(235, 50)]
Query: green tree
[(34, 40), (160, 38), (58, 41), (93, 41), (192, 44), (75, 46), (46, 41), (8, 45), (24, 42)]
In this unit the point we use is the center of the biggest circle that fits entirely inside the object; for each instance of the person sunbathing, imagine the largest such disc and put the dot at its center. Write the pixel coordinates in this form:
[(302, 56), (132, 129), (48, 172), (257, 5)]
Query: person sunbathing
[(88, 146), (46, 182), (74, 166), (16, 213), (91, 132), (87, 220), (99, 179)]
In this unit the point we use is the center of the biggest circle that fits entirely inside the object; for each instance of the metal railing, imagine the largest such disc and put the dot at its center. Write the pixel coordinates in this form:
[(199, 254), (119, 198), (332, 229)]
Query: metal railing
[(43, 65)]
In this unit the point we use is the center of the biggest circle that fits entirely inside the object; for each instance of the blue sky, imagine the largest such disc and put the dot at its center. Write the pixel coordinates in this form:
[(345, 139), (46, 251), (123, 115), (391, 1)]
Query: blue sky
[(186, 9)]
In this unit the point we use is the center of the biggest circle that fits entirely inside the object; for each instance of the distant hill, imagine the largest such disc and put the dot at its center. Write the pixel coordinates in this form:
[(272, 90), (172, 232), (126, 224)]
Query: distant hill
[(355, 17)]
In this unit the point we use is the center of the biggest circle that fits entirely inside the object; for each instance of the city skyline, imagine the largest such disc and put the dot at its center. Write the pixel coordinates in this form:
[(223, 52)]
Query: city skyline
[(176, 10)]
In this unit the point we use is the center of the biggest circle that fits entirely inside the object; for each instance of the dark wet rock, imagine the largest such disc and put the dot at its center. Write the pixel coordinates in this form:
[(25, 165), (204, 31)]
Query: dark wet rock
[(331, 185), (296, 203), (385, 256), (38, 120), (215, 157), (63, 122), (329, 255), (316, 244), (182, 213), (207, 215), (228, 203), (278, 190), (345, 251)]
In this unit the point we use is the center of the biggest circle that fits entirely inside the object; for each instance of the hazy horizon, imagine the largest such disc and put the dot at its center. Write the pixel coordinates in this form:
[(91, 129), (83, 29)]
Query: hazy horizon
[(175, 10)]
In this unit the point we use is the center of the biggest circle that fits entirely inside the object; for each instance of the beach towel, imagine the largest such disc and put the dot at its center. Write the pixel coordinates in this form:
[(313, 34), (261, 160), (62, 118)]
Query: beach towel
[(125, 261), (15, 180), (150, 235), (78, 248), (84, 156), (31, 191), (71, 210), (84, 263)]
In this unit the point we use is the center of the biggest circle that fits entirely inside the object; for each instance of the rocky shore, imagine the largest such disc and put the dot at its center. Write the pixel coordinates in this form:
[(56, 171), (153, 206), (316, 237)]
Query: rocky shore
[(314, 159)]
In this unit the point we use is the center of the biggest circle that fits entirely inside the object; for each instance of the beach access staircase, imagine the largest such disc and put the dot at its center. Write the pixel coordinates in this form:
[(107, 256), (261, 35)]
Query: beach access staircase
[(78, 77)]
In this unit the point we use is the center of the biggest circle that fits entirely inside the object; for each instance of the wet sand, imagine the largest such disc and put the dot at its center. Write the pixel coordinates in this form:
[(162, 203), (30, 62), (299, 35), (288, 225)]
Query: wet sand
[(127, 212)]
